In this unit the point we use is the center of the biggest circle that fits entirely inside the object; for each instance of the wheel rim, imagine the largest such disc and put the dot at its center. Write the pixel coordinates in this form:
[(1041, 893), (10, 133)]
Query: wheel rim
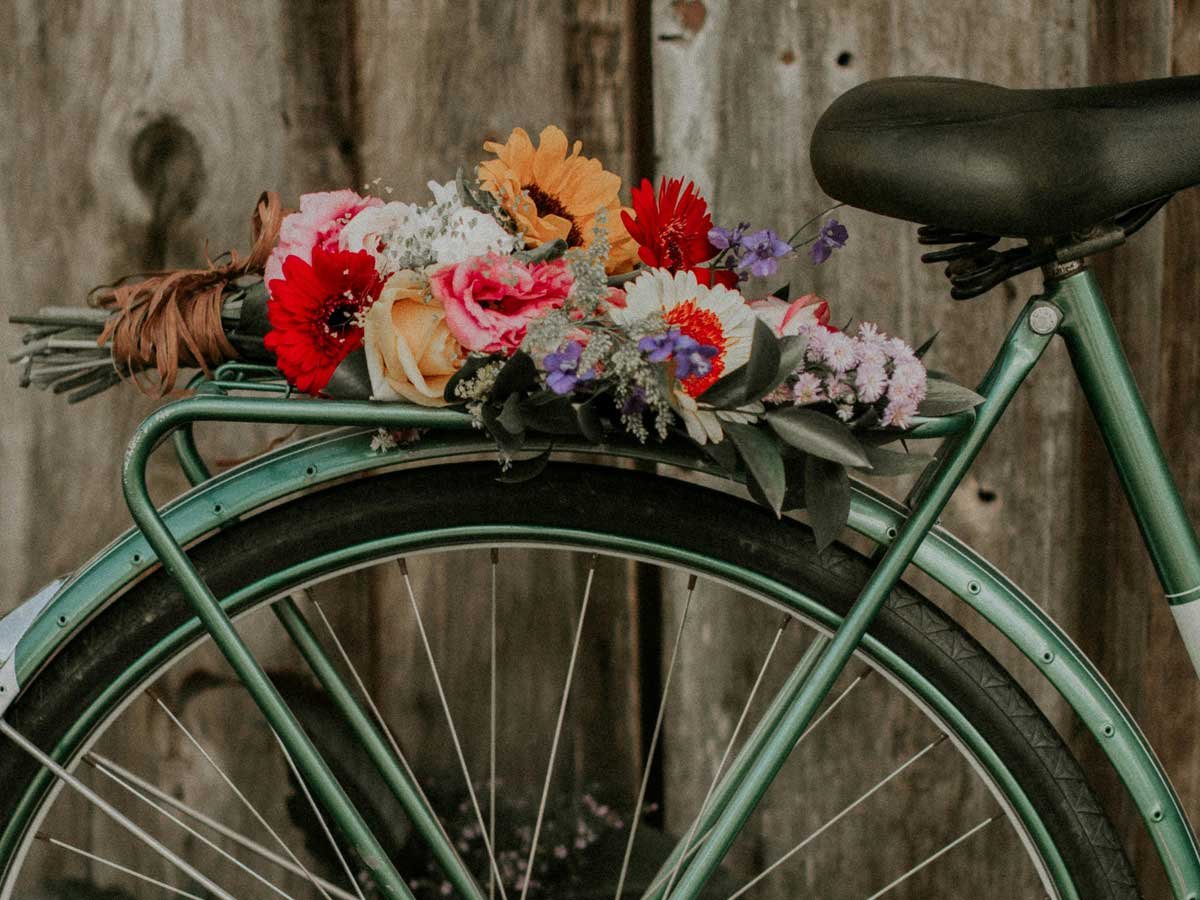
[(95, 721)]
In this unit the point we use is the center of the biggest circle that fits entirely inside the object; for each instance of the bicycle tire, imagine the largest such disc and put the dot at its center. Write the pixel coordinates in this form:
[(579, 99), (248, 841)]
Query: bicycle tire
[(586, 499)]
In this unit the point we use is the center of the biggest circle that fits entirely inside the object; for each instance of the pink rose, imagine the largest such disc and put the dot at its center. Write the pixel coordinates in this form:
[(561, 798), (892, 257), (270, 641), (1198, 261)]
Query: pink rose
[(489, 300), (318, 223), (788, 318)]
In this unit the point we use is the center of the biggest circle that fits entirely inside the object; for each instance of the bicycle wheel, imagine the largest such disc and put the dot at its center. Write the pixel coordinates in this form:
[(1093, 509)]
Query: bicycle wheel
[(623, 685)]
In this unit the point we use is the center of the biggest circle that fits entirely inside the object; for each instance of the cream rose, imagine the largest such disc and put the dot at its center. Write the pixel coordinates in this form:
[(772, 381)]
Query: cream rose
[(411, 354)]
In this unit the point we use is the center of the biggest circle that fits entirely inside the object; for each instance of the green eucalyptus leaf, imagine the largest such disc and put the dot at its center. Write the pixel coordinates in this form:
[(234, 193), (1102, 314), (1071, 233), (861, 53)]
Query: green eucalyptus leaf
[(465, 373), (793, 465), (750, 381), (924, 348), (549, 413), (727, 392), (510, 415), (868, 419), (508, 441), (519, 374), (944, 398), (791, 356), (763, 364), (520, 470), (827, 492), (892, 462), (723, 454), (760, 452), (818, 435), (588, 419)]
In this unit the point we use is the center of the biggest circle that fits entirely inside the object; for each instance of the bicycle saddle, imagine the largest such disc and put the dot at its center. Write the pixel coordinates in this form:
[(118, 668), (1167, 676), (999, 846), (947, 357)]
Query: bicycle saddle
[(1016, 163)]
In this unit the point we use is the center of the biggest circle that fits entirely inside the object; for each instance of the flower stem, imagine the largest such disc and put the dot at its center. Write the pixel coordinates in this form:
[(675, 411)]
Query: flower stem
[(818, 217)]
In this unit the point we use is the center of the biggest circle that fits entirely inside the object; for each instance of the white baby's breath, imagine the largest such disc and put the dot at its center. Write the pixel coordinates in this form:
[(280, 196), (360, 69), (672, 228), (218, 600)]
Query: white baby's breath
[(407, 236)]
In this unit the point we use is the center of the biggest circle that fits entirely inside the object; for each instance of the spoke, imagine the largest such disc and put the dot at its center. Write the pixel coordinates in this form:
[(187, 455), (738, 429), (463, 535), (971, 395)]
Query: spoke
[(662, 707), (858, 679), (242, 797), (111, 811), (375, 713), (162, 810), (762, 671), (320, 818), (462, 760), (562, 712), (220, 828), (492, 729), (362, 688), (811, 728), (837, 818), (115, 865), (919, 866)]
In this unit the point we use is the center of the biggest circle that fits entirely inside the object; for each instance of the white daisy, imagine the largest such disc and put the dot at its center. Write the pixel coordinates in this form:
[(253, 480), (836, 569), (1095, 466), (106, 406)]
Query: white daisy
[(713, 316)]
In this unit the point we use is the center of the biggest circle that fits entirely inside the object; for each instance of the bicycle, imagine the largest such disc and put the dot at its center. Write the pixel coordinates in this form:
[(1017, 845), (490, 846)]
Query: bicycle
[(273, 533)]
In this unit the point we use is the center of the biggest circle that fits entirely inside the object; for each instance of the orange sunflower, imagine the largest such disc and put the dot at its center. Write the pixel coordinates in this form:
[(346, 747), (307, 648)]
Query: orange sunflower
[(552, 194)]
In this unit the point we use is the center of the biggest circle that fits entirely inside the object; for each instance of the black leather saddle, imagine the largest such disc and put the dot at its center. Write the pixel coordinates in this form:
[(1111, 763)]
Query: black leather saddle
[(973, 157)]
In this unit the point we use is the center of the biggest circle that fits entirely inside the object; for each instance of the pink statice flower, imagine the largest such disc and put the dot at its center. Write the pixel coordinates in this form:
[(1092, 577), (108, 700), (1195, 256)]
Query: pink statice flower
[(318, 223), (839, 352), (899, 412), (852, 372), (870, 335), (898, 350), (807, 389), (908, 380), (870, 381), (490, 300)]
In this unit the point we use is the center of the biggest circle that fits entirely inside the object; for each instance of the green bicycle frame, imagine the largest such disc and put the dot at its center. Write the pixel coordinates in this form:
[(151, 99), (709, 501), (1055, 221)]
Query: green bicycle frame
[(1071, 307)]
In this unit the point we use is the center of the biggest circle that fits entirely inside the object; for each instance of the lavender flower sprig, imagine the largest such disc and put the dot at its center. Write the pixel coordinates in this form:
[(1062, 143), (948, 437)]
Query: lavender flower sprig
[(562, 368), (691, 357), (757, 253), (831, 236)]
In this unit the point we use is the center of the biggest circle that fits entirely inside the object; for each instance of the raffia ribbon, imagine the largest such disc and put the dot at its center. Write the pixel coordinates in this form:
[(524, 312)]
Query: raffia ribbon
[(172, 318)]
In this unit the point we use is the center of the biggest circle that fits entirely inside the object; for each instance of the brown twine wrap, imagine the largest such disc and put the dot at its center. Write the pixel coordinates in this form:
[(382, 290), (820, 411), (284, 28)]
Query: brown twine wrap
[(173, 318)]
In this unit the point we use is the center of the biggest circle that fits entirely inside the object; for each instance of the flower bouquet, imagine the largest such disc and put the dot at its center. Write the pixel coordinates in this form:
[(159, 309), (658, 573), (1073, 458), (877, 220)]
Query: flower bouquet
[(526, 293)]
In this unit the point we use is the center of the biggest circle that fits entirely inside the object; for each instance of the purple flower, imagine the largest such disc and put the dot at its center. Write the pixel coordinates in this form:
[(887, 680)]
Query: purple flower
[(635, 403), (692, 357), (761, 252), (724, 238), (660, 347), (562, 368), (832, 236)]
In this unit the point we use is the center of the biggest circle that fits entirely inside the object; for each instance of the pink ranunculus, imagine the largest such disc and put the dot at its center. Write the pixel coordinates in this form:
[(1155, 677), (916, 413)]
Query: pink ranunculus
[(489, 300), (788, 318), (319, 221)]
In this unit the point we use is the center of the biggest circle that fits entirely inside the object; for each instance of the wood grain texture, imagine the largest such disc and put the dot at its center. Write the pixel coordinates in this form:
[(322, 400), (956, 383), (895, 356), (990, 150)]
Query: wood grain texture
[(140, 130), (145, 129)]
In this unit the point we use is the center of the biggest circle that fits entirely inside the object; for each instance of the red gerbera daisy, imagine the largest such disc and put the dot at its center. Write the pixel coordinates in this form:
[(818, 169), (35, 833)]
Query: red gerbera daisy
[(672, 228), (314, 313)]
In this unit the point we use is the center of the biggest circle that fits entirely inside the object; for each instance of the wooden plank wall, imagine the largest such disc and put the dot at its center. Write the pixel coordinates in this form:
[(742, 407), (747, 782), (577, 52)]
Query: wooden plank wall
[(135, 130)]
